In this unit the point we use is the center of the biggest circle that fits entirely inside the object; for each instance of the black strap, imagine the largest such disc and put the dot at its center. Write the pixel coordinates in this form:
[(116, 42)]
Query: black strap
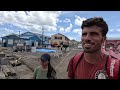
[(106, 61), (119, 71)]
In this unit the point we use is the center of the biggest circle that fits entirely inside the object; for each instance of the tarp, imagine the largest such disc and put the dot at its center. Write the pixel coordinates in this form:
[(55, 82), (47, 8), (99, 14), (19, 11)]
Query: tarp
[(45, 50)]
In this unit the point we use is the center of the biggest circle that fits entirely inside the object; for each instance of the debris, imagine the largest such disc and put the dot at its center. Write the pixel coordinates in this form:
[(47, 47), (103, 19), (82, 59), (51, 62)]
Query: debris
[(2, 75), (2, 54), (15, 62)]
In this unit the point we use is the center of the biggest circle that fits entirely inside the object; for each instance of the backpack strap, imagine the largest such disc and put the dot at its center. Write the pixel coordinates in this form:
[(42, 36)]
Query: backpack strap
[(119, 71), (76, 60), (113, 68)]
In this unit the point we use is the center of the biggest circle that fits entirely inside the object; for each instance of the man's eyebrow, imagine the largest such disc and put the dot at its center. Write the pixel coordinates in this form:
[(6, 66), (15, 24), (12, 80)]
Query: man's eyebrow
[(89, 32), (93, 32)]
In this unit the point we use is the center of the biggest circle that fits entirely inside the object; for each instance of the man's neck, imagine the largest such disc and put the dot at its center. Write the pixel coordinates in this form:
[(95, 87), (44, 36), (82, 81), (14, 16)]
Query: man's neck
[(93, 58)]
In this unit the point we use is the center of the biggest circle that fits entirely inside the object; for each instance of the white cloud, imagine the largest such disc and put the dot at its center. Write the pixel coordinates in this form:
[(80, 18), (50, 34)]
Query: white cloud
[(118, 30), (78, 20), (2, 35), (33, 21), (8, 30), (66, 20), (78, 31), (68, 29), (62, 29), (50, 28), (44, 17), (60, 21)]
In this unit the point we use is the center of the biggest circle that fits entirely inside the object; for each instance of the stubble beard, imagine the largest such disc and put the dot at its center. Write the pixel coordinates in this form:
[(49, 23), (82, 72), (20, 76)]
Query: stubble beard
[(89, 50)]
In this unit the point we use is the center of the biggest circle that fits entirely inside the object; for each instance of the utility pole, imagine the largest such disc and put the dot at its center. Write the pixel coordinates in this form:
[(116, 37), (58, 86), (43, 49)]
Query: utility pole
[(42, 35), (19, 36)]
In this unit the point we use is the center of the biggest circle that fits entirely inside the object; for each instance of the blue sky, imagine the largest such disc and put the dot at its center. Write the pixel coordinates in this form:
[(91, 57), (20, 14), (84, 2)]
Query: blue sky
[(65, 22)]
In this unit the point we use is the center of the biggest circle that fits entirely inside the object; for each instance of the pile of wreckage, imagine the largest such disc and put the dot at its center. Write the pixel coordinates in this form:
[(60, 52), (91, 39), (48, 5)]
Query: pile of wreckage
[(6, 66), (11, 66), (21, 47)]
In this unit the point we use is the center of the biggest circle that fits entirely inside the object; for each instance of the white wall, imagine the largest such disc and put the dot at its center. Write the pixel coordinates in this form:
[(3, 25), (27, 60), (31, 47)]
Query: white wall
[(10, 41)]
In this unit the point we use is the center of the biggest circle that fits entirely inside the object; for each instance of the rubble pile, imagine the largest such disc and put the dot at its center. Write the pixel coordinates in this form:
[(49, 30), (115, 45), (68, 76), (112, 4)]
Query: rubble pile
[(11, 67), (3, 49), (6, 50), (6, 66)]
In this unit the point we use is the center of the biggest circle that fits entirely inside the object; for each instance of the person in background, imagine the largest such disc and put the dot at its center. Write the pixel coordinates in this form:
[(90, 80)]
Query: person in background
[(61, 45), (45, 71)]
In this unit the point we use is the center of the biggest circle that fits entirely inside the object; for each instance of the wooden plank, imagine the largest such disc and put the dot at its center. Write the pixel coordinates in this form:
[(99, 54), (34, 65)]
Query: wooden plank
[(15, 63), (2, 55), (13, 73), (6, 69), (2, 75), (11, 62), (5, 72)]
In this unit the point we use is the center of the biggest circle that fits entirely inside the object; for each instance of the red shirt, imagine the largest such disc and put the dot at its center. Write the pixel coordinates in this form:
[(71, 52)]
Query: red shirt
[(86, 70)]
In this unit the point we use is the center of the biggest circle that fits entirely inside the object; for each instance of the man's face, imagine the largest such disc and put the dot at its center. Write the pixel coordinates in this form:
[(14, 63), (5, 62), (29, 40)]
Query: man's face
[(92, 39)]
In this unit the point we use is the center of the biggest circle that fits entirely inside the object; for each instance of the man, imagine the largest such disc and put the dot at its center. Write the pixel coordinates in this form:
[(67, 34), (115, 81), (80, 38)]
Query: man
[(92, 62)]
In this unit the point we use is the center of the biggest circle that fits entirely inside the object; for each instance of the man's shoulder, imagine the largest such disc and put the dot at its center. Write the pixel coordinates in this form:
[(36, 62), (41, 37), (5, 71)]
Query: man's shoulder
[(78, 54), (76, 57)]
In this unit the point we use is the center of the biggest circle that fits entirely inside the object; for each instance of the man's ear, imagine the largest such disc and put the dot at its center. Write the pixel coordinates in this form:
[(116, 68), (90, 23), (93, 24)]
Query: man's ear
[(104, 39)]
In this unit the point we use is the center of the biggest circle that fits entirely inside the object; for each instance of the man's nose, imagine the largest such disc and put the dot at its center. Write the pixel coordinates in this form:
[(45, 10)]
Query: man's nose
[(88, 38)]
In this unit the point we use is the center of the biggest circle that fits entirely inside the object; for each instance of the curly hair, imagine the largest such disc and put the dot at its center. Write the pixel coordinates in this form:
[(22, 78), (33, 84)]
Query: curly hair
[(96, 21)]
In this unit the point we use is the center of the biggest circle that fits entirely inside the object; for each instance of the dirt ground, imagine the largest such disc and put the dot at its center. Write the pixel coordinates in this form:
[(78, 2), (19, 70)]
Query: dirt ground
[(29, 61)]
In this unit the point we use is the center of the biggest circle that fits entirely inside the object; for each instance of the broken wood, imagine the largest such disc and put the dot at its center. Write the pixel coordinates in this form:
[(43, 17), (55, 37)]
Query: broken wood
[(2, 55), (2, 75), (6, 69), (5, 72), (15, 63), (13, 73)]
